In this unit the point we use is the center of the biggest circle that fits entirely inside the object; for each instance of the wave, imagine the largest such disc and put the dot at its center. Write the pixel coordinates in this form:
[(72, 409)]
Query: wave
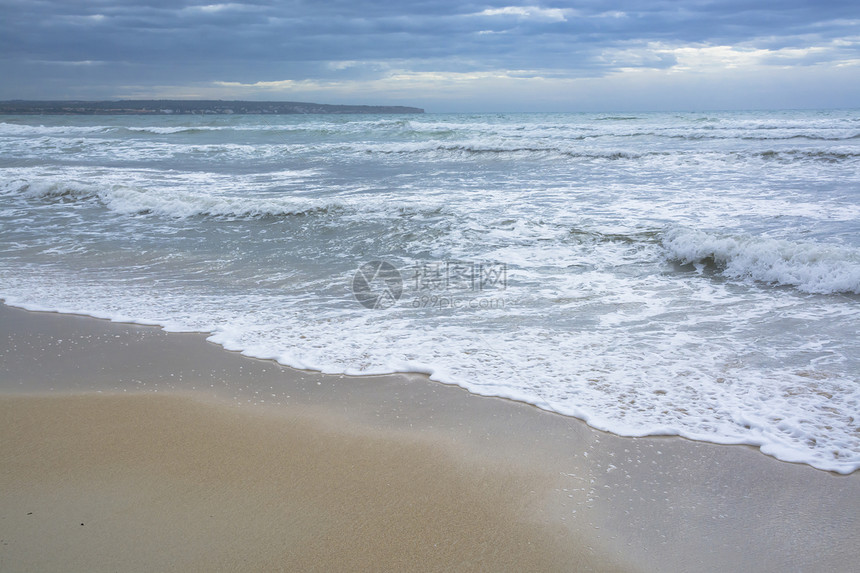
[(579, 147), (733, 135), (50, 190), (527, 138), (187, 204), (18, 129), (401, 128), (793, 155), (582, 235), (173, 202), (197, 129), (810, 267), (476, 149), (159, 130), (14, 129), (807, 136)]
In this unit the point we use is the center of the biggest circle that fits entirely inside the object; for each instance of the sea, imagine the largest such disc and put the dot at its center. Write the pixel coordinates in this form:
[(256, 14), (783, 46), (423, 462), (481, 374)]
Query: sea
[(689, 274)]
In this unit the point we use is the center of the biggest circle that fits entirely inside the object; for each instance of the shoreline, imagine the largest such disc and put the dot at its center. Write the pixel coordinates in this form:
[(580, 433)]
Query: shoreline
[(758, 445), (534, 490)]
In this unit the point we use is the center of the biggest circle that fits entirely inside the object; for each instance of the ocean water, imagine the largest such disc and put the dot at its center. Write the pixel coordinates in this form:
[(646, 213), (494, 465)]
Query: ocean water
[(692, 274)]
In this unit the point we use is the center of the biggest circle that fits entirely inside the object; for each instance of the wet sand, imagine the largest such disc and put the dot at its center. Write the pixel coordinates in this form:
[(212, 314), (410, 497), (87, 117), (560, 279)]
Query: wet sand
[(126, 448)]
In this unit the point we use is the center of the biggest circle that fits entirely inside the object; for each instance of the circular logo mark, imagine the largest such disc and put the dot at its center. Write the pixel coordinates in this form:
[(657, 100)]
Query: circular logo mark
[(377, 284)]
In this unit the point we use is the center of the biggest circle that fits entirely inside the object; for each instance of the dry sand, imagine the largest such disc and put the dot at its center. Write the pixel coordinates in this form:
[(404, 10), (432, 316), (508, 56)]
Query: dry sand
[(123, 448)]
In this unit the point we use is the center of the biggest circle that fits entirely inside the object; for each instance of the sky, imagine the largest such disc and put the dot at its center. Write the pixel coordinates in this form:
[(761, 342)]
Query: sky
[(442, 55)]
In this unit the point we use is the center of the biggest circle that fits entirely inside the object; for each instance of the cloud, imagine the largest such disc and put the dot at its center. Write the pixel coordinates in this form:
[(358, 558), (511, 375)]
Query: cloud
[(703, 58), (213, 8), (528, 12), (339, 48)]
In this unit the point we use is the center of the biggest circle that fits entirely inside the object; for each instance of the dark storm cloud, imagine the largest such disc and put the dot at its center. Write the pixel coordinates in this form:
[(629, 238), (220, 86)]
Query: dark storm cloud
[(47, 44)]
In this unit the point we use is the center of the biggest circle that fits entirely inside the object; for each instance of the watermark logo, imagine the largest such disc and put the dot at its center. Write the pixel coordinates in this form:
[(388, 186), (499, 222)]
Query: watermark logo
[(377, 285), (460, 276), (436, 285)]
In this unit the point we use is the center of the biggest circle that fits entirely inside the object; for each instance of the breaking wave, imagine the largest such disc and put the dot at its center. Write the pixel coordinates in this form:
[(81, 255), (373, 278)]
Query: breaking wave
[(808, 266), (171, 202)]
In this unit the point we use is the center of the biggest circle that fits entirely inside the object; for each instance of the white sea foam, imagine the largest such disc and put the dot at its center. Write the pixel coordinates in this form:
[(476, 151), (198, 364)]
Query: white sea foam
[(810, 267), (168, 130), (20, 129), (635, 374), (181, 195)]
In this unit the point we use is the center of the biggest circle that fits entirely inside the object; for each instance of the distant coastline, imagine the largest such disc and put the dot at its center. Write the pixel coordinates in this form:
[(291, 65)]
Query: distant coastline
[(188, 107)]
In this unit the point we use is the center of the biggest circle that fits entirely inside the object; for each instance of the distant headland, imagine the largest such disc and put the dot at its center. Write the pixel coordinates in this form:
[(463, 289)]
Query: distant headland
[(185, 107)]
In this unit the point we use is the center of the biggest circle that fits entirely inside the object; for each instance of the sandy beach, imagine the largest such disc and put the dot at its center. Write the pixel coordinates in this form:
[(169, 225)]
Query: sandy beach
[(125, 448)]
